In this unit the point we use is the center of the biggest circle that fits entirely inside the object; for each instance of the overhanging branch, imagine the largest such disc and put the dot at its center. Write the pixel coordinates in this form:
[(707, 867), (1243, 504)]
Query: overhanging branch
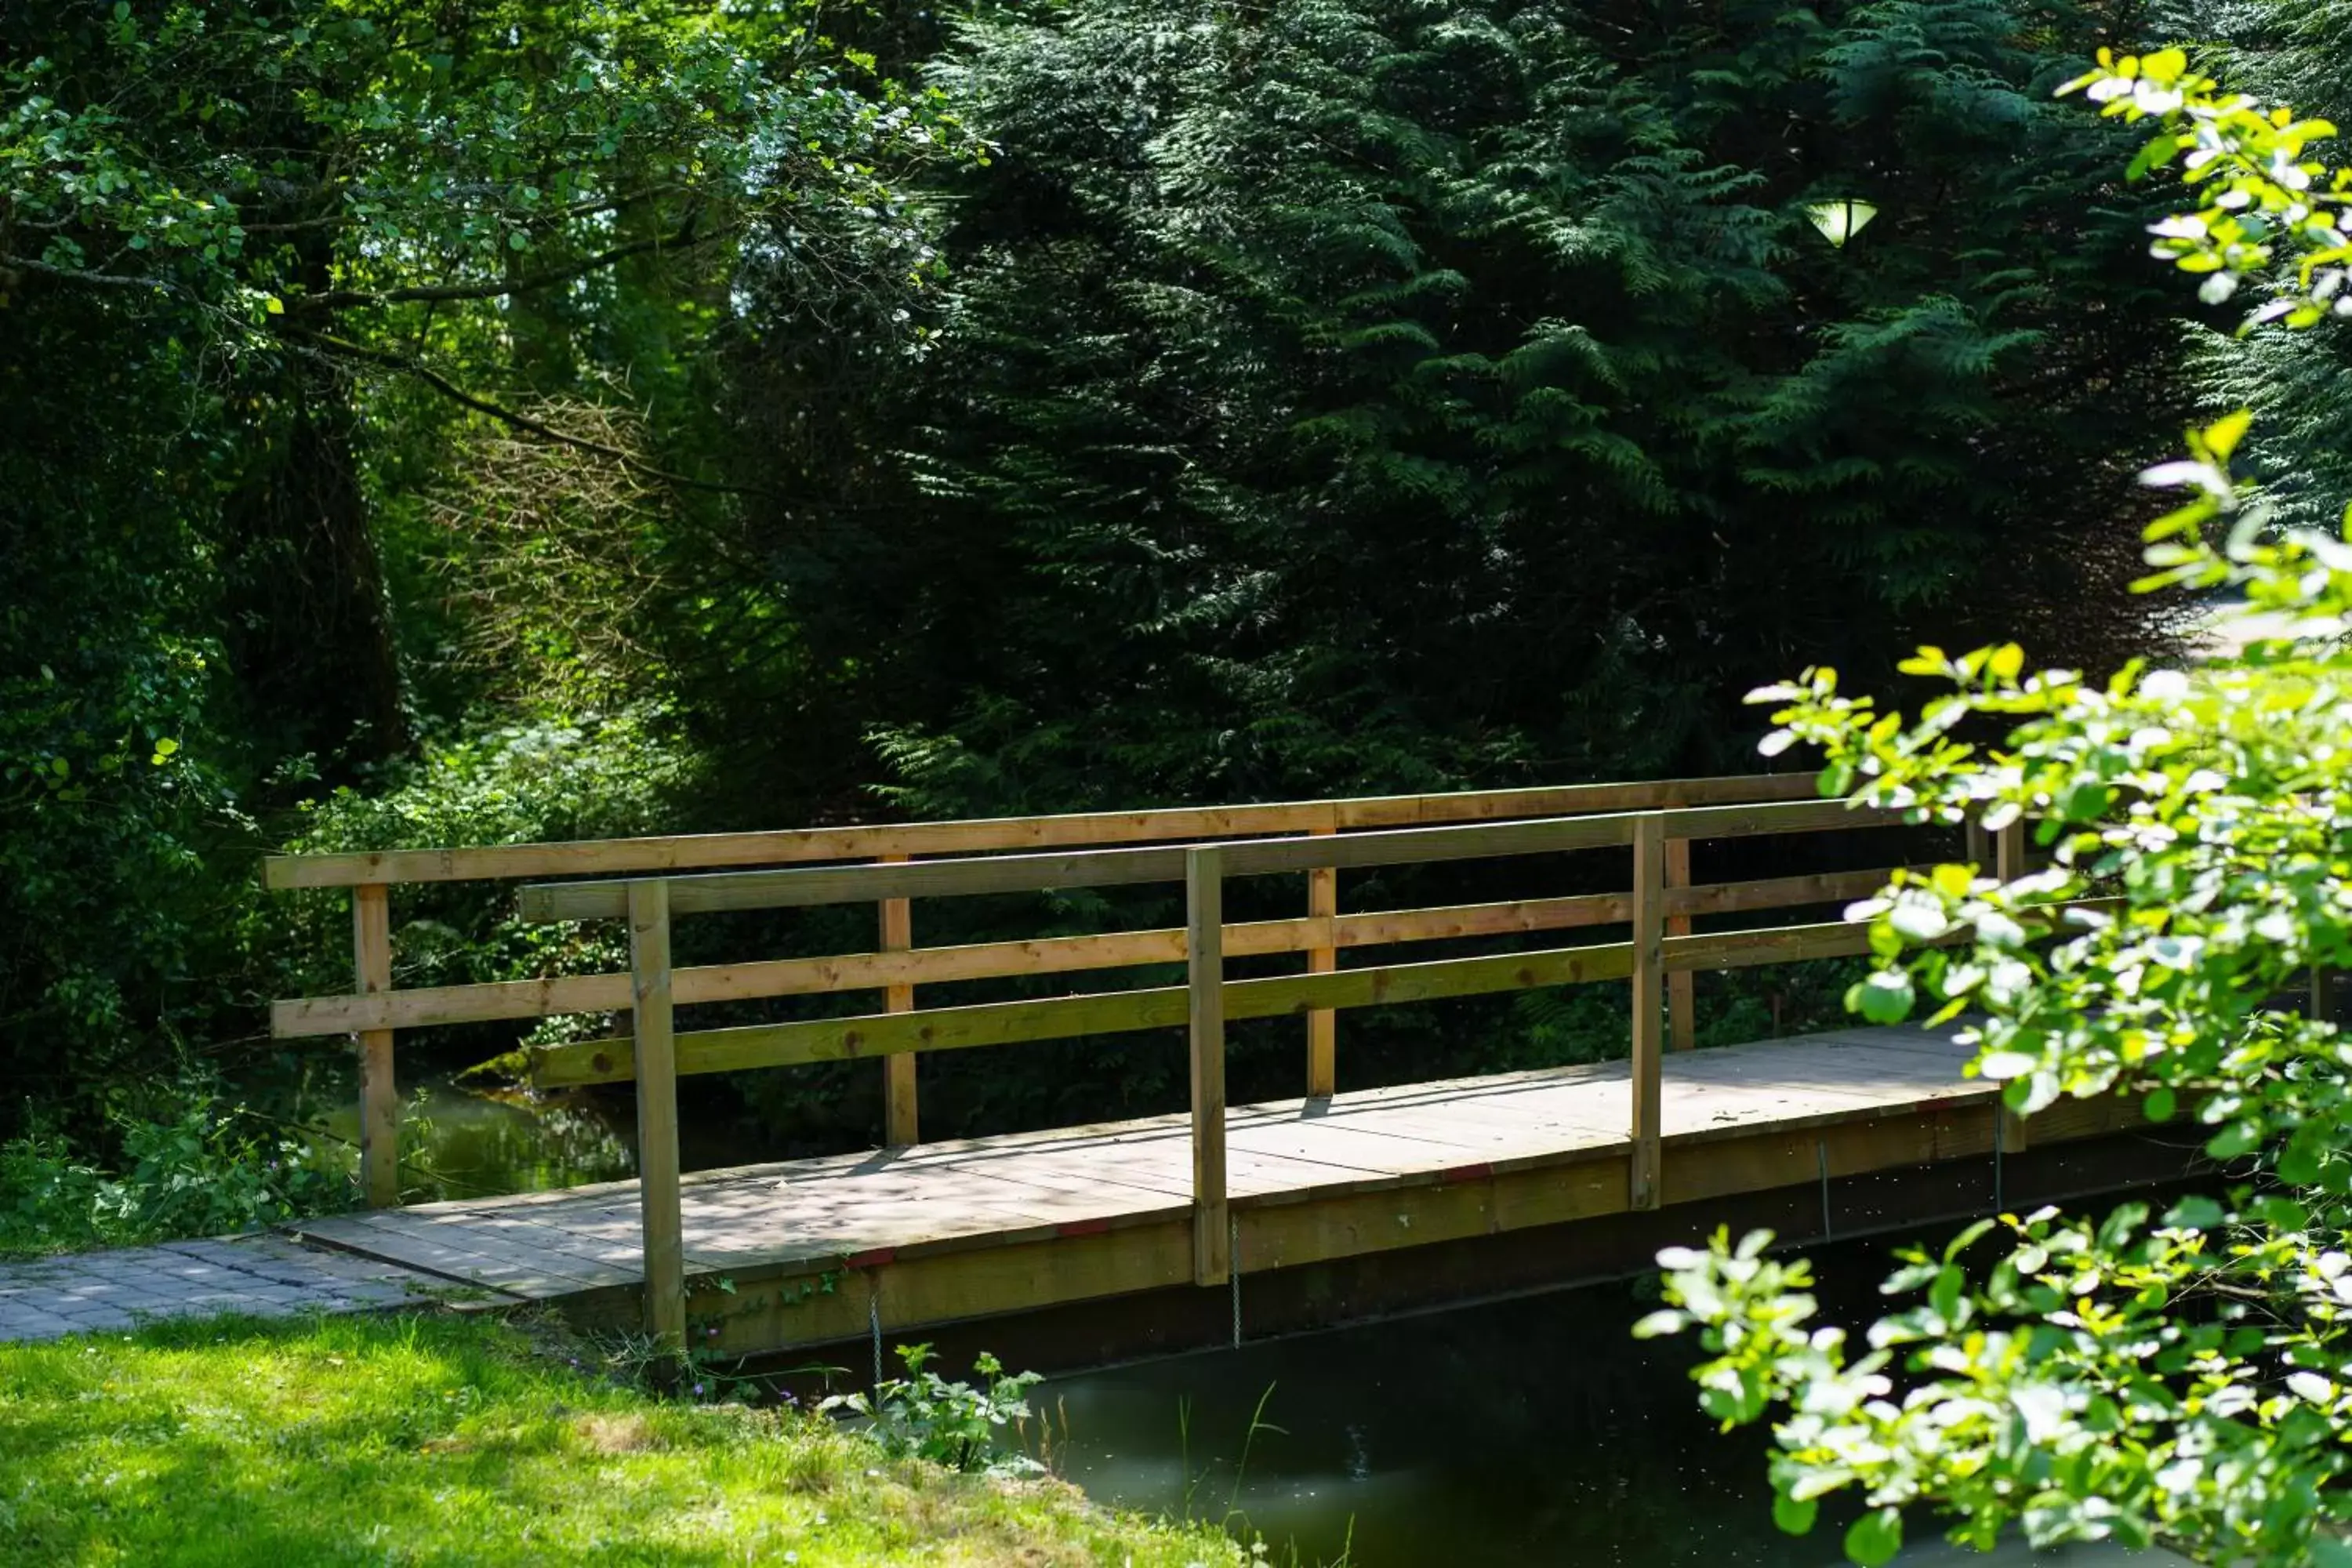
[(686, 238), (518, 420)]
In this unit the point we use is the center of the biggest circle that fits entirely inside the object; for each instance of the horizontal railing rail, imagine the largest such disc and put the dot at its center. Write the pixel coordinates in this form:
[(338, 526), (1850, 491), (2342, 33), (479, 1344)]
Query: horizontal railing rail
[(805, 888), (685, 852), (507, 1000)]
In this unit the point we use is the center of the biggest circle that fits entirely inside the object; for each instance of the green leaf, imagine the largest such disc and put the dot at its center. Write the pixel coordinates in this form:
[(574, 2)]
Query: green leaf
[(1945, 1295), (2194, 1214), (2237, 1138), (1884, 998), (2160, 1105), (2223, 435), (1794, 1515), (1874, 1538), (2155, 155)]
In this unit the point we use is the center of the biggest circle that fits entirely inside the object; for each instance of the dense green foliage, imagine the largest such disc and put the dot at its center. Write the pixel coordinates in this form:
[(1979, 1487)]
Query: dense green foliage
[(208, 1171), (534, 421), (2184, 1382), (1375, 394), (463, 1440), (276, 277)]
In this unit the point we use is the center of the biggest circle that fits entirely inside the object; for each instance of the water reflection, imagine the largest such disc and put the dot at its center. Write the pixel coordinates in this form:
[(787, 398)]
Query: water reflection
[(1529, 1432), (457, 1145)]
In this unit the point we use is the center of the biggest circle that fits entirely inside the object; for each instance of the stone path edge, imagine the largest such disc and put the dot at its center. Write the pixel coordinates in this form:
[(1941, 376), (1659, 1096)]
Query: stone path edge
[(260, 1275)]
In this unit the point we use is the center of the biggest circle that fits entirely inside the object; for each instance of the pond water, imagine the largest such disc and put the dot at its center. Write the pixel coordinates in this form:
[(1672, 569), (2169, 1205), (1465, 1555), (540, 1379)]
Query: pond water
[(457, 1145), (1533, 1431)]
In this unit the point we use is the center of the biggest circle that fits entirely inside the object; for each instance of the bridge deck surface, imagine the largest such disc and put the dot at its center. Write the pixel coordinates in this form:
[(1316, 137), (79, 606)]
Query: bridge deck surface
[(814, 1215)]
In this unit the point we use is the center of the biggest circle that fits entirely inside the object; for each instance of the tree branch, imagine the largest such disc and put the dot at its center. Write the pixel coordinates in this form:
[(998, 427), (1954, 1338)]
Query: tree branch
[(345, 299), (522, 421), (94, 279)]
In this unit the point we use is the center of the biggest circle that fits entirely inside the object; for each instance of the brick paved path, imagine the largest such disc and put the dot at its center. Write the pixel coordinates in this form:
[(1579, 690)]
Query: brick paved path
[(260, 1275)]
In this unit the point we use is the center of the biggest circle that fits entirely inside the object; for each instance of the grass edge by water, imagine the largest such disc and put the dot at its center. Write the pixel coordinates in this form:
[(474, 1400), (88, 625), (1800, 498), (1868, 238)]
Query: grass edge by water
[(451, 1438)]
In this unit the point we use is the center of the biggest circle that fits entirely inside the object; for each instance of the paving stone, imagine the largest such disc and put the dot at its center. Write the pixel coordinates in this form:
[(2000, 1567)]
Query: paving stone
[(259, 1275)]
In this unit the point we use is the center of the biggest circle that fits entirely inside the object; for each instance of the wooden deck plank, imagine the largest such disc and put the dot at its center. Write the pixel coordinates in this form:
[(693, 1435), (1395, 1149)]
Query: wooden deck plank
[(418, 1248), (1065, 1183)]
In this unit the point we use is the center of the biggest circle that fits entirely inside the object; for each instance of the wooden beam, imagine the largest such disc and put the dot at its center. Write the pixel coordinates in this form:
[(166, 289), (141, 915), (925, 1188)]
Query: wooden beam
[(2009, 852), (542, 903), (429, 1006), (689, 852), (1751, 821), (1779, 944), (2009, 863), (1323, 1023), (661, 1221), (1778, 893), (1648, 1065), (582, 1062), (901, 1125), (1204, 905), (379, 1089), (1682, 985)]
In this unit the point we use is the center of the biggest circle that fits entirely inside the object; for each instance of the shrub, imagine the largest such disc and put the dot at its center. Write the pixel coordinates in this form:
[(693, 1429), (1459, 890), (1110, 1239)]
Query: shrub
[(211, 1169)]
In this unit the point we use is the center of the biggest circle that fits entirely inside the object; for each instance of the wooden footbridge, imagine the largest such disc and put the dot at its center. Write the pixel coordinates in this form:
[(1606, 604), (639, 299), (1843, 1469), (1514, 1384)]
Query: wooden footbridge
[(912, 1236)]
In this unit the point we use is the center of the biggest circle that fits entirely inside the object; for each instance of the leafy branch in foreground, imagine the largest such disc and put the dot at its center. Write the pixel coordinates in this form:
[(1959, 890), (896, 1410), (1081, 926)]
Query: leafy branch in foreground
[(2188, 1382)]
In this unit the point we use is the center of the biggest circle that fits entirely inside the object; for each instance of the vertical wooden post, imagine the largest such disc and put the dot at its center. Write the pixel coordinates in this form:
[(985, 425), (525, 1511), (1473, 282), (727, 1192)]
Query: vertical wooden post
[(2009, 851), (1323, 1023), (379, 1091), (1649, 1010), (1204, 933), (1977, 843), (899, 1129), (657, 1072), (1682, 987), (2008, 864)]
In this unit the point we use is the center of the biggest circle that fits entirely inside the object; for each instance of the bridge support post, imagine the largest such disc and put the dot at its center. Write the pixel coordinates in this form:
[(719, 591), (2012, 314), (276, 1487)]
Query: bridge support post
[(378, 1091), (1682, 987), (1204, 934), (2009, 852), (899, 1120), (1323, 1023), (1649, 1006), (2008, 864), (656, 1073)]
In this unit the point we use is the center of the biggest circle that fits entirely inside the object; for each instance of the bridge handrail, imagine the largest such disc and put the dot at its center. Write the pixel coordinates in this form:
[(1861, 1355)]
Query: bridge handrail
[(511, 862), (801, 887), (1659, 959)]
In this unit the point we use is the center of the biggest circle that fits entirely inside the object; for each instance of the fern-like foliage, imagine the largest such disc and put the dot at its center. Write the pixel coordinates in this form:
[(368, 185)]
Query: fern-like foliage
[(1393, 394)]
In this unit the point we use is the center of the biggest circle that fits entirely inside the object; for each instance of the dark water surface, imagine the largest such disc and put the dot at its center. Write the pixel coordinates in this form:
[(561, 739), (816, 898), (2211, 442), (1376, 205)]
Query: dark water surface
[(1531, 1431)]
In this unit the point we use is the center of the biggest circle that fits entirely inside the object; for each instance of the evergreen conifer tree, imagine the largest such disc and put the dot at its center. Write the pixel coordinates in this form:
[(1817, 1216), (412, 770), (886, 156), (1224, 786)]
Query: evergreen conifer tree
[(1387, 393)]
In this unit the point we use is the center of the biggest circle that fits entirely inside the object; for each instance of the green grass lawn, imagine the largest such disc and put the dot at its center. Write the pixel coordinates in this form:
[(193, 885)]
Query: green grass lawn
[(456, 1439)]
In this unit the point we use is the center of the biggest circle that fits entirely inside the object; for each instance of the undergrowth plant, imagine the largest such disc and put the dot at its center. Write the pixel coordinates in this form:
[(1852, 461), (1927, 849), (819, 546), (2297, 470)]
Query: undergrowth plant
[(210, 1168), (963, 1426)]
